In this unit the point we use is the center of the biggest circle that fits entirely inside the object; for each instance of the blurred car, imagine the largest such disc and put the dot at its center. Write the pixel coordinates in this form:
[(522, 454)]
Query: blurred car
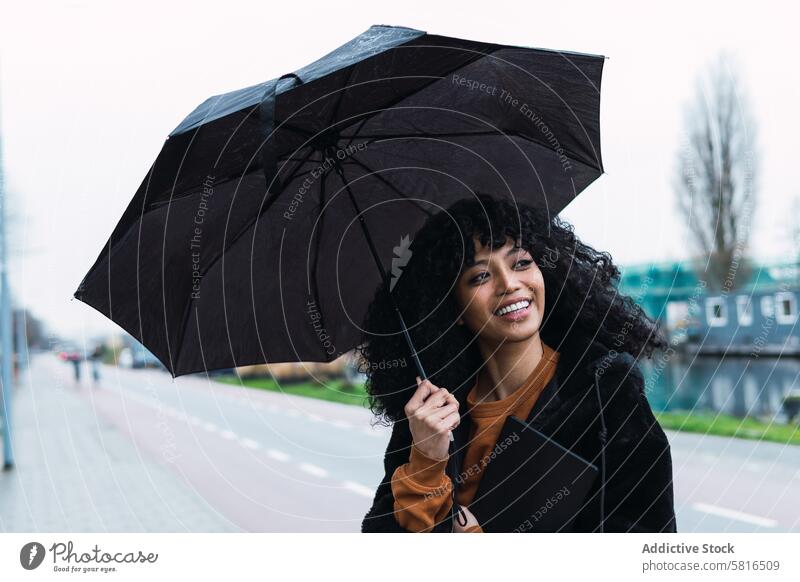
[(137, 358), (69, 352)]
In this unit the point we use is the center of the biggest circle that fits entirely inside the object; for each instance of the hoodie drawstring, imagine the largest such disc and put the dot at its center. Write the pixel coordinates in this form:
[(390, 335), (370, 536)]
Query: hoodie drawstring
[(454, 507), (603, 435)]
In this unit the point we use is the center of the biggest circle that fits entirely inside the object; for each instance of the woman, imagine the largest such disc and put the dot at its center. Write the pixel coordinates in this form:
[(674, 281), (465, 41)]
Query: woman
[(512, 314)]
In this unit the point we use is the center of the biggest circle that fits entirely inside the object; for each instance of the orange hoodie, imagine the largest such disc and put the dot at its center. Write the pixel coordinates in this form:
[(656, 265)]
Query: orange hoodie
[(422, 491)]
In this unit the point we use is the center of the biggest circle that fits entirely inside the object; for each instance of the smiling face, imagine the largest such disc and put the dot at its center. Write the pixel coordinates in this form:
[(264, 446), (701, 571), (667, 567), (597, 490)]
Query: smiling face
[(501, 297)]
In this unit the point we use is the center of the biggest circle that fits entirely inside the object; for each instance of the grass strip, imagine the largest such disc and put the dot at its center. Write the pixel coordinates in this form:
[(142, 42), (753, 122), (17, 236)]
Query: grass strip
[(730, 426), (332, 391)]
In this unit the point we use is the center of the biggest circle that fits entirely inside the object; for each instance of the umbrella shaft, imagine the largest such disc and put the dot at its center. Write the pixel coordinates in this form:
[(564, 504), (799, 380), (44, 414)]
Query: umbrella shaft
[(381, 270)]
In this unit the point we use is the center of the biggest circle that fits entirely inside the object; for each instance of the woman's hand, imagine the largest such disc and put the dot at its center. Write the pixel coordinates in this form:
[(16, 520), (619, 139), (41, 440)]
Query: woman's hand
[(432, 414), (471, 521)]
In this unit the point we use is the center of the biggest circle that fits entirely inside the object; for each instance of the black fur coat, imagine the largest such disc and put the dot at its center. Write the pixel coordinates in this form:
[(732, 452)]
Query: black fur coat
[(638, 464)]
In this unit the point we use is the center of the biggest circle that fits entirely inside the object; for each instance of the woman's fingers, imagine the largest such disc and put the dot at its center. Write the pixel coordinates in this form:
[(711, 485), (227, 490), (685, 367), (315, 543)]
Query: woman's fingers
[(432, 413), (436, 399), (451, 421), (442, 411), (431, 416), (428, 399), (424, 389), (434, 402)]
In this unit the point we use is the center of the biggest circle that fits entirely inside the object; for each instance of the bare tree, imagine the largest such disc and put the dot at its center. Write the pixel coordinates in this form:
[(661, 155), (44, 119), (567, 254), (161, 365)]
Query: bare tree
[(716, 176)]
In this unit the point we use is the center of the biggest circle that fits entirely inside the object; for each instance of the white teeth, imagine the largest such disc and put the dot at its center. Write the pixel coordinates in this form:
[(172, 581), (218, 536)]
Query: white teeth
[(512, 307)]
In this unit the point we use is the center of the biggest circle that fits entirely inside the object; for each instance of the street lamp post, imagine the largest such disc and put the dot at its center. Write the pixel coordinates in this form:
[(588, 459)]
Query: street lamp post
[(6, 345)]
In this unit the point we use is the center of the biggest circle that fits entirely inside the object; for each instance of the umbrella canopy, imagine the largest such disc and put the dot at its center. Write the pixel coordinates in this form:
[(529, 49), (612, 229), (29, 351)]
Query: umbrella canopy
[(248, 239)]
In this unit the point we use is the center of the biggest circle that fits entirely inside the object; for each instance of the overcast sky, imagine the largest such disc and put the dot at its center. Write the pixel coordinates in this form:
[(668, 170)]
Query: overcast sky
[(90, 90)]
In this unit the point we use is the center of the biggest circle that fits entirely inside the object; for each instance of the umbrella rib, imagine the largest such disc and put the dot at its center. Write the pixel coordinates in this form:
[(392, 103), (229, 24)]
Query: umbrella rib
[(160, 203), (527, 138), (321, 217), (389, 184), (295, 129), (399, 99), (435, 79), (374, 138), (531, 139), (304, 160), (355, 133), (300, 163), (264, 207)]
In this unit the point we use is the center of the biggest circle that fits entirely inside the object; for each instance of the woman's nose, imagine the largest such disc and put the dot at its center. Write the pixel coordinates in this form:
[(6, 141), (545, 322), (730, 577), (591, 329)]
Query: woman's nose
[(507, 281)]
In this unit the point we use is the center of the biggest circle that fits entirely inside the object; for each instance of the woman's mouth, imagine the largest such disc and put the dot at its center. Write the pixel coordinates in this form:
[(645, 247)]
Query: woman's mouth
[(515, 311)]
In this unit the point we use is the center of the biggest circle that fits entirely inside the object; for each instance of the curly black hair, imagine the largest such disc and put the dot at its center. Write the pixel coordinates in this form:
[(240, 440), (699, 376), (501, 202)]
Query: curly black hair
[(582, 303)]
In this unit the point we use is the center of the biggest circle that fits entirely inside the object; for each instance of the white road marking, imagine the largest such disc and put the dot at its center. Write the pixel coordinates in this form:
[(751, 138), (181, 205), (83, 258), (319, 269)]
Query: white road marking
[(341, 424), (227, 434), (278, 455), (359, 489), (249, 443), (210, 426), (313, 470), (314, 417), (733, 514)]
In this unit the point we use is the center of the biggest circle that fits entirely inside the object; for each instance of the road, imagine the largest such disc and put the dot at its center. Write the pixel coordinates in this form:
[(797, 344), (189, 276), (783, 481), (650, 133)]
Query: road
[(270, 462)]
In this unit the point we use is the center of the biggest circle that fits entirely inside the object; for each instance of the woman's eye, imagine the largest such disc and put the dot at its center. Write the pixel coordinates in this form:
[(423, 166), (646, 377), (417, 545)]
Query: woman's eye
[(522, 263), (477, 278)]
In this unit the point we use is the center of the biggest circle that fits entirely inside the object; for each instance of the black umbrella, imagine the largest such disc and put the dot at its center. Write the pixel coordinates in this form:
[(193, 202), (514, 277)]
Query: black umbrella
[(241, 244), (249, 239)]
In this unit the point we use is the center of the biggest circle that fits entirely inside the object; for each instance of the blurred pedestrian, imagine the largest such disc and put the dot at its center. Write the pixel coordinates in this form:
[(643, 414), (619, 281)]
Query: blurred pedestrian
[(76, 362), (94, 361)]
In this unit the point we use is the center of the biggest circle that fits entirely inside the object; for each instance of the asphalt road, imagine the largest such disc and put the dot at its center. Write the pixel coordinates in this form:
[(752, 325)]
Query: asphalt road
[(270, 462)]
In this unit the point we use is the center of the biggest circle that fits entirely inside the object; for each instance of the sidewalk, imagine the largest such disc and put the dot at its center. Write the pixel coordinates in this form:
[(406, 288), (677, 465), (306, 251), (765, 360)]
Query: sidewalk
[(76, 473)]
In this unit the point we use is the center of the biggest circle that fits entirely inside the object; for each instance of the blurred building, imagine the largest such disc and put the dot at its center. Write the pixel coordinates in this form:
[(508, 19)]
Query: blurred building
[(759, 317)]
